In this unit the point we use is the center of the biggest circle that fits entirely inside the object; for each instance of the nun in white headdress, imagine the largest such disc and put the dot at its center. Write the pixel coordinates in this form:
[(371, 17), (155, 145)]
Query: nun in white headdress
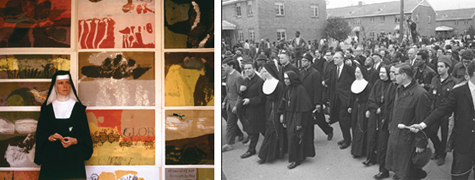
[(63, 139)]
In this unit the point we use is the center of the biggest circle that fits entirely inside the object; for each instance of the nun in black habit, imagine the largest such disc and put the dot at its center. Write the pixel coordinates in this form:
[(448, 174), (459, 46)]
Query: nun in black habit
[(360, 89), (63, 139), (296, 115), (274, 145)]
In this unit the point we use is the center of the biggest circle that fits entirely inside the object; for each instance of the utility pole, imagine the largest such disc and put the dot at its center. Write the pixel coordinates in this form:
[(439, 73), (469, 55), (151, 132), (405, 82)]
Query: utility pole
[(401, 22)]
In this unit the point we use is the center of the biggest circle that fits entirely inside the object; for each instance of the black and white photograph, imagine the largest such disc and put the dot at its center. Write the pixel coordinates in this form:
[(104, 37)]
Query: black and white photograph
[(347, 89)]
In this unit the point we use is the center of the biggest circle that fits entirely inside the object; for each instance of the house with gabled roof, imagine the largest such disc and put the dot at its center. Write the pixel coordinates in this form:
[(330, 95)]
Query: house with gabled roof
[(454, 22), (369, 20)]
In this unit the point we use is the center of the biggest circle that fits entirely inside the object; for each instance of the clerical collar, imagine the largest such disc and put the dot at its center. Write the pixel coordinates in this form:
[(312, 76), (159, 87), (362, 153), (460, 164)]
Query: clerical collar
[(406, 85)]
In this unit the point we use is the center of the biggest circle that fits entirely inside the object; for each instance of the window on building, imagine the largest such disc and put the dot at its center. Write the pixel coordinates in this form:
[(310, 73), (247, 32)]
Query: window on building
[(383, 18), (238, 10), (456, 22), (240, 35), (249, 8), (371, 19), (465, 22), (314, 10), (397, 19), (358, 21), (429, 19), (252, 34), (371, 34), (279, 9), (280, 33), (417, 18)]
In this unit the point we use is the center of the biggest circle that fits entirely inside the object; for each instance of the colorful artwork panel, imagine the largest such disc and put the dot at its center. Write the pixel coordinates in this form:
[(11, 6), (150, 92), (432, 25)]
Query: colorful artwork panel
[(117, 173), (23, 93), (189, 137), (122, 137), (17, 138), (117, 78), (32, 66), (189, 24), (116, 24), (35, 23), (189, 79), (19, 175), (189, 174)]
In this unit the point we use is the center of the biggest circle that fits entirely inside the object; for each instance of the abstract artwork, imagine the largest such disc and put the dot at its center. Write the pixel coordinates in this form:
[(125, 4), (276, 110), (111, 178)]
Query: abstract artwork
[(118, 173), (122, 137), (23, 93), (37, 66), (117, 78), (189, 24), (189, 137), (27, 23), (17, 139), (19, 175), (116, 24), (189, 79)]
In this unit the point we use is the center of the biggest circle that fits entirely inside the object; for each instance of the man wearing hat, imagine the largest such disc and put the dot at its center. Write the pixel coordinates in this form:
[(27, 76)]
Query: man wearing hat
[(312, 82), (439, 90), (377, 63), (459, 69), (460, 102), (227, 54)]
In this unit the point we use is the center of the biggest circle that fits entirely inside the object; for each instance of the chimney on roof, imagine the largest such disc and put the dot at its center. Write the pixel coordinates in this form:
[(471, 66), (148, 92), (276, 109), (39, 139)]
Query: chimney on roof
[(360, 3)]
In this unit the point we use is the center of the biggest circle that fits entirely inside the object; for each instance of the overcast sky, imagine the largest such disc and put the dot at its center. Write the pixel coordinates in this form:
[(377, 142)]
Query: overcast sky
[(436, 4)]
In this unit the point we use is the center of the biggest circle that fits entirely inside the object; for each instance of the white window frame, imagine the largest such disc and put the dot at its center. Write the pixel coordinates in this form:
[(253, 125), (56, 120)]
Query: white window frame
[(240, 35), (281, 34), (456, 22), (315, 11), (382, 18), (252, 34), (279, 6), (238, 10), (249, 9), (429, 19), (371, 19)]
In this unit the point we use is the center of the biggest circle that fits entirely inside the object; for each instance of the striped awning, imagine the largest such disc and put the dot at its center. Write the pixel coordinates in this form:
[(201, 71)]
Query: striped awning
[(227, 25)]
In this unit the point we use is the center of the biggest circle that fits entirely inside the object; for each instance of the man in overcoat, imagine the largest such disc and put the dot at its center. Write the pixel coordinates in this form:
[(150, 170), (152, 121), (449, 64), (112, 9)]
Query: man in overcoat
[(412, 104), (252, 107)]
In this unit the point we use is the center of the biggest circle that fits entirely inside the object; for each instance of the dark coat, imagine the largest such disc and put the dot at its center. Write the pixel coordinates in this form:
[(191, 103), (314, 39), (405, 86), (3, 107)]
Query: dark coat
[(412, 105), (439, 91), (461, 104), (289, 67), (318, 64), (341, 86), (312, 81), (253, 116), (424, 76)]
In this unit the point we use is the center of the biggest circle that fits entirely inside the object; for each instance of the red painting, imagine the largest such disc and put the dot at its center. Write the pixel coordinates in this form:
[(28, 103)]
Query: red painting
[(116, 24), (38, 23)]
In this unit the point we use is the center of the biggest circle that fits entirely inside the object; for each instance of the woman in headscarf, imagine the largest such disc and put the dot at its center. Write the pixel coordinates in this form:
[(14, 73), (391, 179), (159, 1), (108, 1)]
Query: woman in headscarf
[(274, 144), (295, 115), (360, 89), (63, 139), (375, 113)]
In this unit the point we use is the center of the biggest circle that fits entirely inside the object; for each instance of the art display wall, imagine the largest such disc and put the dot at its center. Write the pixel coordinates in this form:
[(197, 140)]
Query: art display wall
[(144, 69)]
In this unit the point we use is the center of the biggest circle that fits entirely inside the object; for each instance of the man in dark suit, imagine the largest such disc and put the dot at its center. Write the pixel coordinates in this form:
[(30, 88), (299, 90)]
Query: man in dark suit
[(341, 78), (233, 82), (312, 82), (460, 101), (252, 107), (284, 58), (377, 63)]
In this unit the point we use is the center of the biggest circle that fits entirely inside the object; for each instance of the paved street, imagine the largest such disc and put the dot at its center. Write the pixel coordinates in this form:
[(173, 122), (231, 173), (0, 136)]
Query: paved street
[(329, 163)]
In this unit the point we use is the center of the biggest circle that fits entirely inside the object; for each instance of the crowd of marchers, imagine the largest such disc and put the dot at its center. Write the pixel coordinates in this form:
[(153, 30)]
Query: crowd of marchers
[(389, 101)]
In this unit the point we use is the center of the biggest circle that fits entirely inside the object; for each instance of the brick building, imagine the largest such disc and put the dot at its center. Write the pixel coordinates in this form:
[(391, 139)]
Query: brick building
[(454, 22), (371, 19), (272, 19)]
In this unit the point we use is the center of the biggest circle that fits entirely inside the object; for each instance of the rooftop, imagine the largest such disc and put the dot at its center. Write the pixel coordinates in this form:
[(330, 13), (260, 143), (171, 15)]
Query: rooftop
[(454, 14), (376, 9)]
